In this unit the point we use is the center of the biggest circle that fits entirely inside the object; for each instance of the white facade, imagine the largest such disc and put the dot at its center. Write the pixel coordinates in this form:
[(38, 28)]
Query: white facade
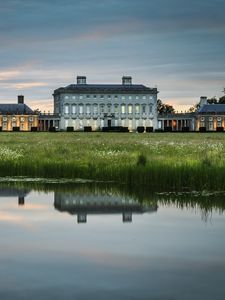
[(106, 105)]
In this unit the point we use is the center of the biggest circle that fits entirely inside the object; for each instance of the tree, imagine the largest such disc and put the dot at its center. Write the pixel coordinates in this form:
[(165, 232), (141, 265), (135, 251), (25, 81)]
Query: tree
[(222, 100), (212, 100), (164, 108)]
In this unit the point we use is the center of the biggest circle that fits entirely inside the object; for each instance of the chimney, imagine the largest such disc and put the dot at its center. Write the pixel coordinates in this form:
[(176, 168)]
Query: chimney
[(20, 99), (203, 101), (81, 79), (127, 80)]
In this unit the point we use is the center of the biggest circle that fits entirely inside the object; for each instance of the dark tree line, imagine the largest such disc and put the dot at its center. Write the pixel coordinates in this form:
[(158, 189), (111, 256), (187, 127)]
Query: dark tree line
[(164, 108)]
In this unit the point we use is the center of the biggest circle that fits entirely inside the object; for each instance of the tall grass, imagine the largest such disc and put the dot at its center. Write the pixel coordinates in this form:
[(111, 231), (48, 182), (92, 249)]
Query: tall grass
[(158, 161)]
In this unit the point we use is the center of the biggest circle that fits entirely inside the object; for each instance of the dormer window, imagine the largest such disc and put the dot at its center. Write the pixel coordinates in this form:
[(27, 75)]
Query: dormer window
[(81, 80), (127, 80)]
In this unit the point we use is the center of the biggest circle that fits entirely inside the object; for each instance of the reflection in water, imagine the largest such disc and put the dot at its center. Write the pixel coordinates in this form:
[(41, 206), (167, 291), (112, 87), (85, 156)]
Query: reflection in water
[(21, 193), (89, 198), (171, 254), (84, 204)]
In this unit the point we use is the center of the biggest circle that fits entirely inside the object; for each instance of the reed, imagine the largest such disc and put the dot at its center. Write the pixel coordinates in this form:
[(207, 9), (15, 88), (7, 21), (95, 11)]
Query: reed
[(158, 161)]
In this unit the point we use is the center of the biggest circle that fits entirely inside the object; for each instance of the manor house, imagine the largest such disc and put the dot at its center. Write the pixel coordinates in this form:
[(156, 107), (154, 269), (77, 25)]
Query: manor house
[(106, 105)]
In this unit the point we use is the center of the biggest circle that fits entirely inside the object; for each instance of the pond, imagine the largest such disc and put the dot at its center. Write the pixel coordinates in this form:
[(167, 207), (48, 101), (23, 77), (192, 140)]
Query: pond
[(86, 241)]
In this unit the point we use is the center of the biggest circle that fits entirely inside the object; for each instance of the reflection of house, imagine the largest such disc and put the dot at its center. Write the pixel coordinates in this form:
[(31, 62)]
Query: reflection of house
[(17, 117), (106, 105), (82, 205), (14, 192)]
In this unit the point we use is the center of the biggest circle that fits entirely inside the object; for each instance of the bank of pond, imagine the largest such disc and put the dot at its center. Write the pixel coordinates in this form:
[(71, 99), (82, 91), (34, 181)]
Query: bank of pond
[(160, 162)]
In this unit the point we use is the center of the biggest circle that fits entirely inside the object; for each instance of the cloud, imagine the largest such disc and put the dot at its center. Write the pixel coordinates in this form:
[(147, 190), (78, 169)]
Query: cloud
[(28, 85), (5, 75), (45, 44)]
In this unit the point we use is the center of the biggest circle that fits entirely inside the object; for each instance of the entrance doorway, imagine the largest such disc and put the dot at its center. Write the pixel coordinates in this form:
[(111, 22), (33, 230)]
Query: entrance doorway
[(109, 123)]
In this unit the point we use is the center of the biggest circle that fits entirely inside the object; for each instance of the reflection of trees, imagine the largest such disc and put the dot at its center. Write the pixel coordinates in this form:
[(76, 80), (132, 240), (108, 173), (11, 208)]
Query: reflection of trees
[(205, 201)]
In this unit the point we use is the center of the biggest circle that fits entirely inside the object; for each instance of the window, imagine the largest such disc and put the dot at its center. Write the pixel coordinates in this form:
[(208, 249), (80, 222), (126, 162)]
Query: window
[(150, 108), (94, 96), (210, 125), (88, 109), (116, 97), (4, 119), (66, 97), (202, 119), (13, 118), (66, 109), (130, 97), (219, 124), (73, 97), (4, 125), (21, 127), (116, 108), (22, 119), (13, 124), (202, 124), (95, 109), (102, 97), (143, 108), (109, 96), (81, 109), (102, 108), (210, 118), (137, 109), (123, 97), (31, 119), (87, 96), (144, 97), (137, 97), (218, 118), (109, 108), (80, 97), (74, 109), (130, 109), (123, 108)]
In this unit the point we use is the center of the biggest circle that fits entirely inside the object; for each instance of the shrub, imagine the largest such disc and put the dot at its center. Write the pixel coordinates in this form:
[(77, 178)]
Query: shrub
[(142, 160), (69, 129), (149, 129), (140, 129)]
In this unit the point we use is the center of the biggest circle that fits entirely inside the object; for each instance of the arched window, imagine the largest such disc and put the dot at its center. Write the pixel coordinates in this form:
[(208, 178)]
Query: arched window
[(150, 108), (137, 108), (81, 109), (102, 108), (74, 109), (143, 108), (95, 108), (66, 109), (88, 109), (123, 109), (116, 107), (130, 108), (109, 108)]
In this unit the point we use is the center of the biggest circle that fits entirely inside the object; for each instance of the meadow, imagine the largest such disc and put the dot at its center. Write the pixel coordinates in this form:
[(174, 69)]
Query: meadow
[(158, 161)]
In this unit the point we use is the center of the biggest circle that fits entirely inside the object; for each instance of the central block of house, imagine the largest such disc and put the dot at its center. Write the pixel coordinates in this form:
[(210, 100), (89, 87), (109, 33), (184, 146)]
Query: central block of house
[(106, 105)]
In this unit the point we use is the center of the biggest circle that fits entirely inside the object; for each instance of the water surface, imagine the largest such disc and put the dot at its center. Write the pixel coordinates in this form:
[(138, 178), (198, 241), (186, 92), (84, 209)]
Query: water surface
[(89, 242)]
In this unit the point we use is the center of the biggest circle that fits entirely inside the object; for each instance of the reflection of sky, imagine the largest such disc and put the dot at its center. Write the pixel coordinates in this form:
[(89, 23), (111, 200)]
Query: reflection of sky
[(177, 45), (171, 254)]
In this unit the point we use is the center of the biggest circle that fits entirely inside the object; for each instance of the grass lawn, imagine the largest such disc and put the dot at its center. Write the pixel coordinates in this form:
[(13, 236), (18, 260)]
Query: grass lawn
[(156, 160)]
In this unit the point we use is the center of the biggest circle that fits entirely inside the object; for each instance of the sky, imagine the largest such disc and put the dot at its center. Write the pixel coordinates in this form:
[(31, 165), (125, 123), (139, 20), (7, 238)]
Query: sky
[(177, 46)]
